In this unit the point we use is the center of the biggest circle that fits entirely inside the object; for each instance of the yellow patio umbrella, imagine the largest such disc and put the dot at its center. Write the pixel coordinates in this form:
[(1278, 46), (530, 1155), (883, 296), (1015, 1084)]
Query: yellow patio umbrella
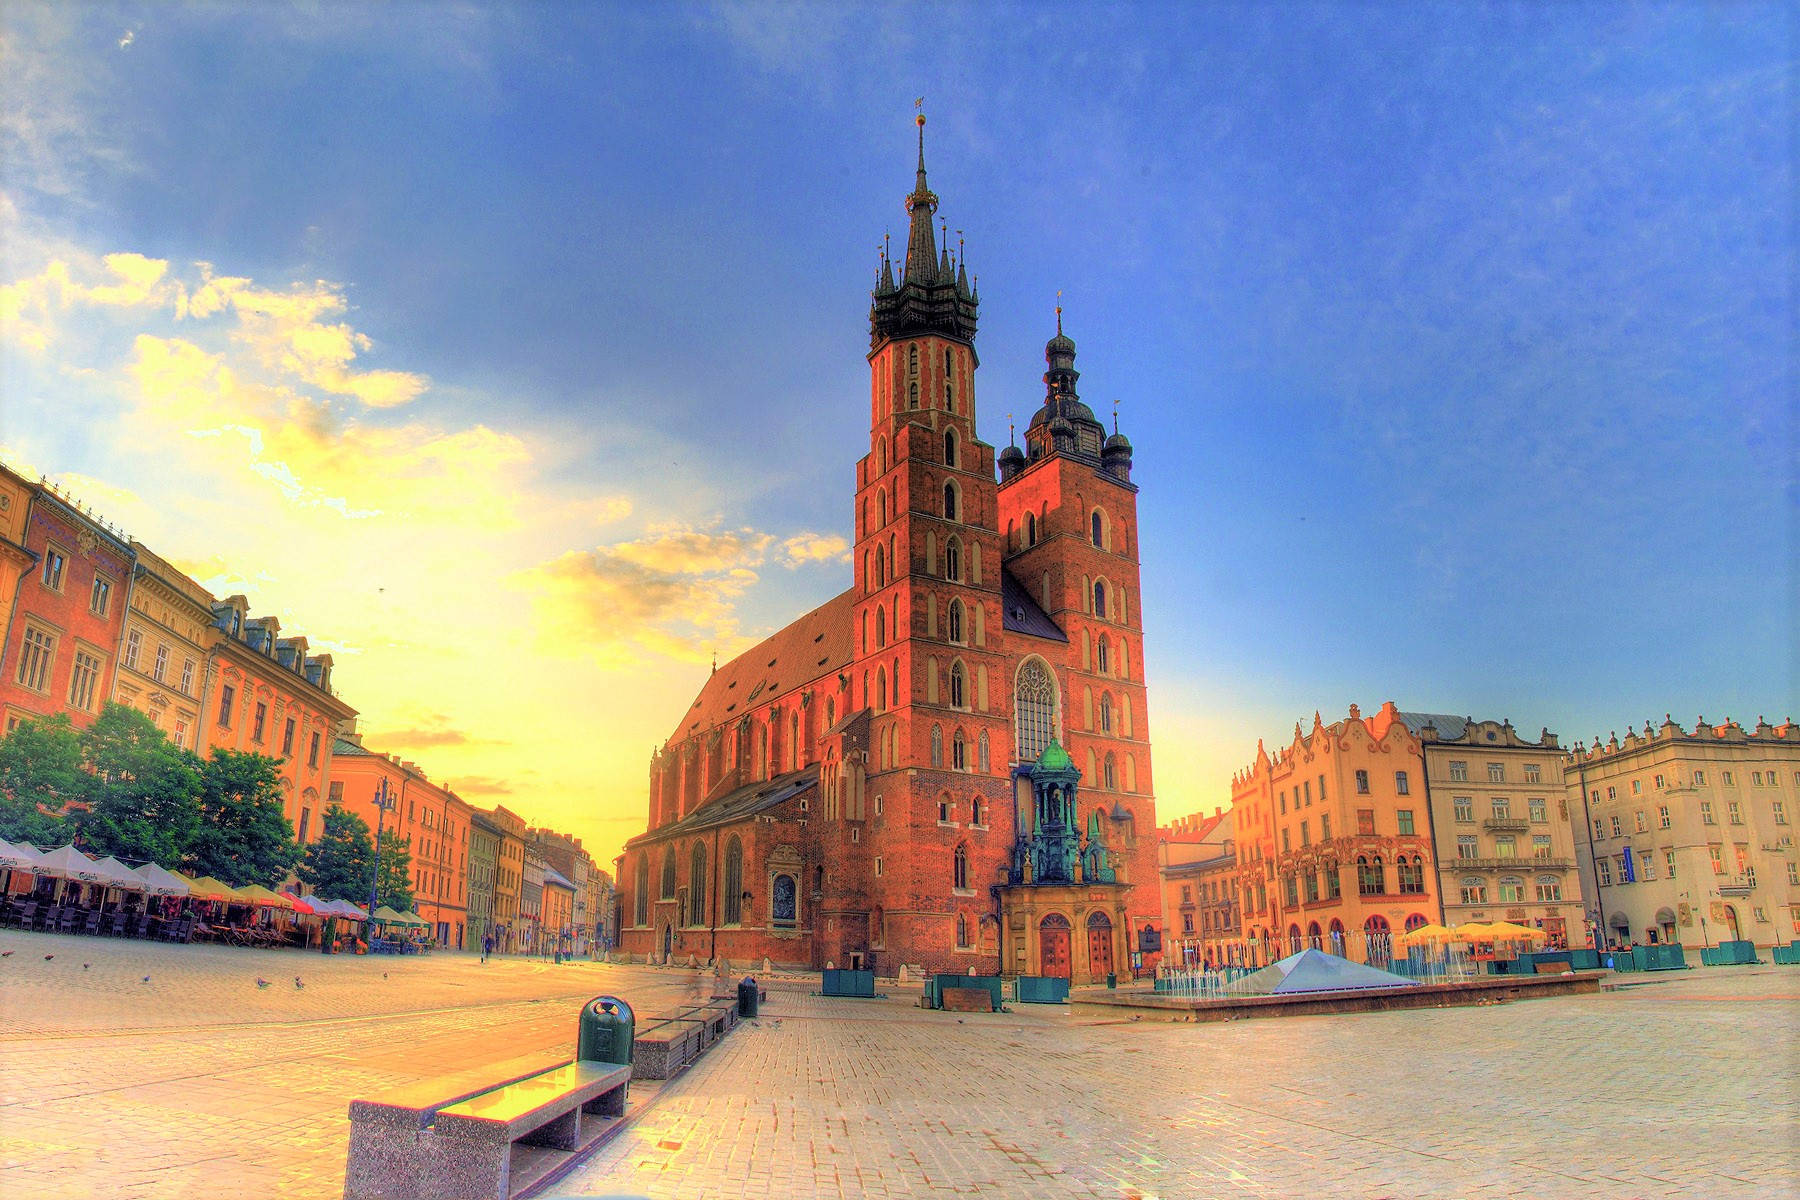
[(1427, 935), (208, 888), (262, 897), (1506, 931)]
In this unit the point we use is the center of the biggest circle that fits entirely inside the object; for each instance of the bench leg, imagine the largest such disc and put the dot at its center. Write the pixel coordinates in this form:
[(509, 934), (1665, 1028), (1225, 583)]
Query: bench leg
[(608, 1104), (564, 1133)]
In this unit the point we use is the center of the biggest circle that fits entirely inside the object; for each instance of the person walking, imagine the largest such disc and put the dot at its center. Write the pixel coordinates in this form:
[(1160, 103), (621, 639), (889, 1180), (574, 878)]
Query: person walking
[(487, 946)]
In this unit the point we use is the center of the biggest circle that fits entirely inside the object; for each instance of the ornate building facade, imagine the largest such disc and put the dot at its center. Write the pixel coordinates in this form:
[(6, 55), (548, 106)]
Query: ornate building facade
[(948, 765), (1688, 836), (1333, 841)]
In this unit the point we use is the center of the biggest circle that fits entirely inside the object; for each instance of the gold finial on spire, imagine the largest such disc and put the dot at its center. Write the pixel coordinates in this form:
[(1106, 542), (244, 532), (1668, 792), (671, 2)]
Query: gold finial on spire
[(1059, 312)]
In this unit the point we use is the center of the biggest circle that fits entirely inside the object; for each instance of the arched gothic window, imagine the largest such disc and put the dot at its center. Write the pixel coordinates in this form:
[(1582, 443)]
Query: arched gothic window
[(1097, 529), (949, 447), (1105, 713), (643, 891), (950, 500), (734, 880), (937, 746), (881, 508), (956, 621), (1111, 775), (982, 761), (962, 930), (958, 686), (960, 874), (977, 810), (880, 627), (697, 885), (1034, 697), (880, 566), (1099, 597), (668, 874), (1103, 655), (949, 398), (953, 560), (881, 689), (1031, 529), (912, 360), (912, 395), (959, 752)]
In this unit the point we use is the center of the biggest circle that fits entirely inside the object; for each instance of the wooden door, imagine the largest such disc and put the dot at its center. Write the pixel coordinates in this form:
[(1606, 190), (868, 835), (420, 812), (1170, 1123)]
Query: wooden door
[(1053, 946), (1100, 947)]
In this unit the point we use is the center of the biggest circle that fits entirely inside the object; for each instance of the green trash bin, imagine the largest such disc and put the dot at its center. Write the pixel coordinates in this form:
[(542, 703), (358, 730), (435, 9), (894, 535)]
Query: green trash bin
[(606, 1031)]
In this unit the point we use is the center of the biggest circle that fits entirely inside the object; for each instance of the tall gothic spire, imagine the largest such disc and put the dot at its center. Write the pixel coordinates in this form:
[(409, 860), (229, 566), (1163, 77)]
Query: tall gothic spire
[(921, 239), (933, 296)]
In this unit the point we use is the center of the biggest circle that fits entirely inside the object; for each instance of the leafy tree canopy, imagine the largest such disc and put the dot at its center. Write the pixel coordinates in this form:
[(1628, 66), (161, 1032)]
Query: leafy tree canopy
[(396, 874), (143, 790), (244, 836), (40, 764), (341, 864)]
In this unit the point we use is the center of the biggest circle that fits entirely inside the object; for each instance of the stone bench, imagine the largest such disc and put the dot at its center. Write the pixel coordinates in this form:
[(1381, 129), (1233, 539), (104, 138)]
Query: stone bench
[(666, 1046), (464, 1137)]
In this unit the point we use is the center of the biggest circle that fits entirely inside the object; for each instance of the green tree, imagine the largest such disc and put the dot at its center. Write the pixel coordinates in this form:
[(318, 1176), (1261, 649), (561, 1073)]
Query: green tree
[(40, 764), (396, 874), (142, 788), (244, 835), (341, 864)]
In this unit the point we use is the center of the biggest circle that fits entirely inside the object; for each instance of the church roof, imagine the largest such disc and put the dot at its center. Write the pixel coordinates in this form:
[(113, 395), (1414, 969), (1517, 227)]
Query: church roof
[(1021, 614), (734, 806), (816, 645)]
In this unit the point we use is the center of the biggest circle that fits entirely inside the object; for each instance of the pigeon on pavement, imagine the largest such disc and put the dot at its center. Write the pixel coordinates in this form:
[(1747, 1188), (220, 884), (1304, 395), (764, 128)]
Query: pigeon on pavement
[(261, 982), (297, 983), (48, 957)]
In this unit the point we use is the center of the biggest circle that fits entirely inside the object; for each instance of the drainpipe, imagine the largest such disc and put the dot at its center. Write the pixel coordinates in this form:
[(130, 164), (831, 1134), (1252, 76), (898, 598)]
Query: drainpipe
[(1437, 858), (1587, 831)]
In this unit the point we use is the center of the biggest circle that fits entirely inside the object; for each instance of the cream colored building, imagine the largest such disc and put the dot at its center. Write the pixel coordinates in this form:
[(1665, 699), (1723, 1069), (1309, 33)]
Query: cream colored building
[(1500, 822), (162, 654), (1196, 859), (1689, 836)]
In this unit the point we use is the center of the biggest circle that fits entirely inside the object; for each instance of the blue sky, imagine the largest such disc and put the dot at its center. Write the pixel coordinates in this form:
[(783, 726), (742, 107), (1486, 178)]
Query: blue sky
[(1456, 342)]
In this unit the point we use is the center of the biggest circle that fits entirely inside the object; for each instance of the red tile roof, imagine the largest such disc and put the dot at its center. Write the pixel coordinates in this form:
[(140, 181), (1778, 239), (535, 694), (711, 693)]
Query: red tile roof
[(813, 647)]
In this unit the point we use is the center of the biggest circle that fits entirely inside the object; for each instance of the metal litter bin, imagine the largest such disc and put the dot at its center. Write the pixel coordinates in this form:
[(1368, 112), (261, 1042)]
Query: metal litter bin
[(606, 1031), (747, 997)]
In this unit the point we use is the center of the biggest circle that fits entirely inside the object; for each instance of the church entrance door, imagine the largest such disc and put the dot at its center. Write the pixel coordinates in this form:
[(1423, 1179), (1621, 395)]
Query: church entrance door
[(668, 941), (1053, 946), (1100, 948)]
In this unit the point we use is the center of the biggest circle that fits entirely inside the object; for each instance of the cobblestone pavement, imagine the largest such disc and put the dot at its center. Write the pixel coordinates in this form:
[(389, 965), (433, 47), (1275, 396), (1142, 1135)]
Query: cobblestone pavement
[(1678, 1088), (198, 1084)]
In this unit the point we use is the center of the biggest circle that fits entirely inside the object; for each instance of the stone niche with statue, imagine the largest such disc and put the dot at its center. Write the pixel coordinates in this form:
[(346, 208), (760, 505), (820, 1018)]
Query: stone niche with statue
[(1063, 905)]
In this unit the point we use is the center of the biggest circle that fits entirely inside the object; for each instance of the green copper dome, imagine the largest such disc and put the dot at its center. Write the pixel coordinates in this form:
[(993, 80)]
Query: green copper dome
[(1054, 758)]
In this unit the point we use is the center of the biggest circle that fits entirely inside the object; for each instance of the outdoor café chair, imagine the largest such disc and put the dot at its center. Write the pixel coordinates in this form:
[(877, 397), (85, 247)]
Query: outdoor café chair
[(92, 926), (25, 915)]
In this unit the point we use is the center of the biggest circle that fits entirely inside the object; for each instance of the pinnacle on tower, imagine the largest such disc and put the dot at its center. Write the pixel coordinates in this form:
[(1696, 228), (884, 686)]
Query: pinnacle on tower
[(933, 296)]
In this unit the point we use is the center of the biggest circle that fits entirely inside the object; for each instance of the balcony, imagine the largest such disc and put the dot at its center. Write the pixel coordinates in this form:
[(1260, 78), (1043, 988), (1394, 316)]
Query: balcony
[(1742, 886), (1506, 825), (1513, 864)]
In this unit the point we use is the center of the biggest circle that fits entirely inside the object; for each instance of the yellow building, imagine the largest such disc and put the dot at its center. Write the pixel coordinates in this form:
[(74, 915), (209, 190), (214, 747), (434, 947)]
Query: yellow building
[(163, 654), (1333, 845), (1505, 843), (1196, 858), (1688, 836), (509, 880), (267, 694)]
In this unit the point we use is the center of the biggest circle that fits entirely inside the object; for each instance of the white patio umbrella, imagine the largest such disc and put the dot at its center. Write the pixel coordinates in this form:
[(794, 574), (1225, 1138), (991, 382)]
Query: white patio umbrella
[(20, 857), (66, 862), (159, 882), (120, 876)]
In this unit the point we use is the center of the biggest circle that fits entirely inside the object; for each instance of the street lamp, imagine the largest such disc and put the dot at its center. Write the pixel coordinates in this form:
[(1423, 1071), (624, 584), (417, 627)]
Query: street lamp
[(383, 802)]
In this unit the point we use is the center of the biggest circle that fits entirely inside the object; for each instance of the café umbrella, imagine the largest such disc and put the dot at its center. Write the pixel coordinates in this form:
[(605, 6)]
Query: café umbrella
[(207, 888), (264, 897), (67, 863), (304, 906), (388, 916), (1426, 935), (159, 882), (20, 857), (118, 875)]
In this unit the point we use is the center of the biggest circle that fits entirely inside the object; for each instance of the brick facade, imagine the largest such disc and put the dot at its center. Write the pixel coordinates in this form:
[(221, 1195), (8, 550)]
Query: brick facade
[(848, 791)]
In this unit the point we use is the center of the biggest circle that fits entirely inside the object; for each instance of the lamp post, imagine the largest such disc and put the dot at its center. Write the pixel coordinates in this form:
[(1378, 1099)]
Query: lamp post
[(383, 802)]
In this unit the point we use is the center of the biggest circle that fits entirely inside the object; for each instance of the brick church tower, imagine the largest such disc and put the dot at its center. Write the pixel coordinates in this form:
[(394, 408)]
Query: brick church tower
[(948, 765)]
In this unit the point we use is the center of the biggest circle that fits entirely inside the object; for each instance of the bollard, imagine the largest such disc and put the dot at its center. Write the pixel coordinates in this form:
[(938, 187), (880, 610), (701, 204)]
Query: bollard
[(1112, 979), (747, 997), (606, 1031)]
